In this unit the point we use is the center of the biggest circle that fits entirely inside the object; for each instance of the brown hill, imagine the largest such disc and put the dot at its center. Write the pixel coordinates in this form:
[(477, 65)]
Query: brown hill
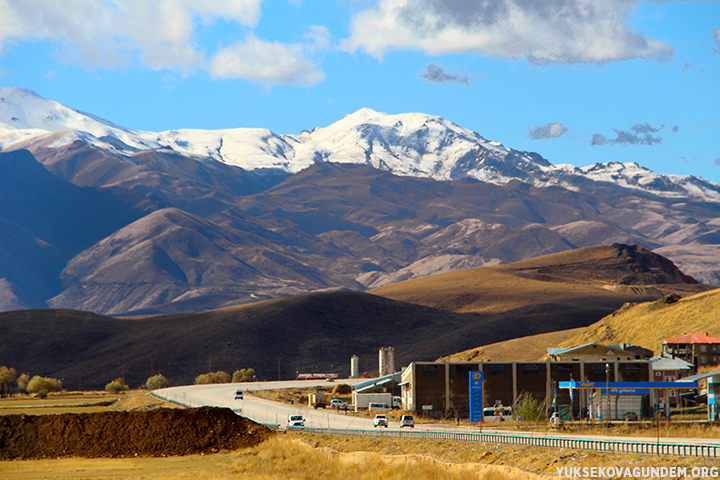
[(321, 331), (304, 333), (604, 276)]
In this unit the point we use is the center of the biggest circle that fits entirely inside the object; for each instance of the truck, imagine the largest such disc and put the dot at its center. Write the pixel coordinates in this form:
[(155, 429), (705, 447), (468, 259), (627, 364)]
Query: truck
[(319, 400), (362, 401)]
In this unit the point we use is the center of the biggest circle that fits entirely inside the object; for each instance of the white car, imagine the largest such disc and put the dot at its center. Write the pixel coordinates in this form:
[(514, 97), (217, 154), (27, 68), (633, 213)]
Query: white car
[(295, 421), (381, 421), (238, 394), (407, 421), (337, 403)]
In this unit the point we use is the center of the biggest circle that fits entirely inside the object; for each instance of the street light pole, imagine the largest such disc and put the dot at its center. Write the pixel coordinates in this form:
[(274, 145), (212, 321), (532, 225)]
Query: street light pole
[(607, 388)]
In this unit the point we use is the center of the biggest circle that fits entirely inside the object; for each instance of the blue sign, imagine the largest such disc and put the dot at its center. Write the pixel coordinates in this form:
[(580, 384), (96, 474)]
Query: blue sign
[(626, 385), (626, 391), (476, 397)]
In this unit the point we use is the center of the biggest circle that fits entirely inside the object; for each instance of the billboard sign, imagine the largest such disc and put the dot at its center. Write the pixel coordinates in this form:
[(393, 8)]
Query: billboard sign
[(476, 397)]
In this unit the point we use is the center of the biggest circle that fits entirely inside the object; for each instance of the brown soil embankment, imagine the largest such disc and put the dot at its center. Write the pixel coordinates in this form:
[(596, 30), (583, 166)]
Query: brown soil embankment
[(156, 433)]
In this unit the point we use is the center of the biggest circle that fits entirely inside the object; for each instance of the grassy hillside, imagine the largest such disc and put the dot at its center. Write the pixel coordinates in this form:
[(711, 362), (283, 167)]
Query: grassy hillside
[(645, 324), (648, 324)]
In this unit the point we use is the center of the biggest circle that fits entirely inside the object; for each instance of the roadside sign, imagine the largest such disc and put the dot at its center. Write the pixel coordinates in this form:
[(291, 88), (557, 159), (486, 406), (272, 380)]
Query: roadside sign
[(476, 397)]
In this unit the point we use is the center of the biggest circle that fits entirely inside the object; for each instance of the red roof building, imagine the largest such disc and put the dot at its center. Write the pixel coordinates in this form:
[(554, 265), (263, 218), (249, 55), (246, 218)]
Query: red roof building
[(696, 348)]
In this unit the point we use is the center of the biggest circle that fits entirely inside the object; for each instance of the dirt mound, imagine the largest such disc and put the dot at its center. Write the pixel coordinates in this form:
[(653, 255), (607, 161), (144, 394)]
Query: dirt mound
[(156, 433)]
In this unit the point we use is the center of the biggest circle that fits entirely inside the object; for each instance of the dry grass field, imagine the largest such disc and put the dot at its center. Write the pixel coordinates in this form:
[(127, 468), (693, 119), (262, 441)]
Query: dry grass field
[(308, 456), (313, 457), (79, 402)]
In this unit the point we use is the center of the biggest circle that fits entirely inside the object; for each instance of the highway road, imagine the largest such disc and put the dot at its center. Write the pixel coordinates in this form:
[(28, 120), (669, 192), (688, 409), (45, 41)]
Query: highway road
[(269, 412), (275, 414)]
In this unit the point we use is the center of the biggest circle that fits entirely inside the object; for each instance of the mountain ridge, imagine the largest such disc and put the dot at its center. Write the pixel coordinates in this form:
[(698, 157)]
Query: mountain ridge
[(410, 144), (346, 221)]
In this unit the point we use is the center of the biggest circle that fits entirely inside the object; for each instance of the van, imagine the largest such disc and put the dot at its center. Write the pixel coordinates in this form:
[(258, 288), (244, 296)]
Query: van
[(379, 407), (407, 421), (295, 421), (238, 394)]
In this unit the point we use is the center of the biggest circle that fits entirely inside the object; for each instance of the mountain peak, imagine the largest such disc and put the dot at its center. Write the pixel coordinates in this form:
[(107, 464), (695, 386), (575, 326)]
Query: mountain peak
[(408, 144)]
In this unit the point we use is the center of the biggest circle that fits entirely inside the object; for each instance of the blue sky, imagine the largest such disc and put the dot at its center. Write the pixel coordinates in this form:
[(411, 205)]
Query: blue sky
[(578, 81)]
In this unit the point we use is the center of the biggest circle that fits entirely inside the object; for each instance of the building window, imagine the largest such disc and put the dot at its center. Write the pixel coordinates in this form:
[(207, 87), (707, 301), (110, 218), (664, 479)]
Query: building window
[(496, 368), (631, 367), (565, 368), (598, 367), (430, 369), (531, 367)]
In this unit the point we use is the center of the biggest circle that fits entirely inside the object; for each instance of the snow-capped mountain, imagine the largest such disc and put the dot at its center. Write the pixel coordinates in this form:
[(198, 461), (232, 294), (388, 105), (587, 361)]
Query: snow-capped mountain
[(410, 144)]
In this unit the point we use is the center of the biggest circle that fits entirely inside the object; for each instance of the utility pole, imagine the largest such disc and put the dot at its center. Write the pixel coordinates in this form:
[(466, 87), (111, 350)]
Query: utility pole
[(607, 389), (279, 358), (210, 364)]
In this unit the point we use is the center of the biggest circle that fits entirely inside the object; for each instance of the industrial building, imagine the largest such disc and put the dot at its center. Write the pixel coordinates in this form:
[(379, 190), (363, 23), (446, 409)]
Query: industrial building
[(442, 388)]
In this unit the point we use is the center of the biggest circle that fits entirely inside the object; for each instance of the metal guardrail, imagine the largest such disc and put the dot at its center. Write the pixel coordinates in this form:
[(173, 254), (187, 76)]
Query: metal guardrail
[(616, 446)]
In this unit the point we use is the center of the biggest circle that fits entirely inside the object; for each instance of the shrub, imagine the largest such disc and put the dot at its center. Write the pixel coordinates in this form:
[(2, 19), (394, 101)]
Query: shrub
[(342, 389), (529, 408), (43, 385), (243, 375), (116, 386), (213, 377), (157, 381)]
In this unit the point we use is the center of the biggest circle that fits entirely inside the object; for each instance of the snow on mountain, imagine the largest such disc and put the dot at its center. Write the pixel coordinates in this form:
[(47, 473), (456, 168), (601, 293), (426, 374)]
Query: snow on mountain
[(25, 115), (410, 144)]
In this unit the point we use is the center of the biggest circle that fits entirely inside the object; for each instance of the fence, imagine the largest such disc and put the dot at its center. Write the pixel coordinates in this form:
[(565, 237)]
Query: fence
[(649, 447)]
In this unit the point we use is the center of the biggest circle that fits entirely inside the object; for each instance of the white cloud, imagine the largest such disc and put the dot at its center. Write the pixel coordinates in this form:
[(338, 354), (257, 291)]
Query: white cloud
[(548, 31), (266, 62), (717, 37), (106, 33)]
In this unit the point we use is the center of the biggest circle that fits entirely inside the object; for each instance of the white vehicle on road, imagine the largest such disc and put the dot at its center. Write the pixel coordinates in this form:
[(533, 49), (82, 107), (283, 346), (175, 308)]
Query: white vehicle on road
[(407, 421), (295, 421), (380, 421), (337, 403)]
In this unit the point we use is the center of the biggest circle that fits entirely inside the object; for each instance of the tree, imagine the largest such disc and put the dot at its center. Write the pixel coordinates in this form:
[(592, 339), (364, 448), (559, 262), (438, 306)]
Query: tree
[(529, 408), (7, 379), (116, 386), (243, 375), (22, 382), (43, 385), (213, 377), (157, 381)]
